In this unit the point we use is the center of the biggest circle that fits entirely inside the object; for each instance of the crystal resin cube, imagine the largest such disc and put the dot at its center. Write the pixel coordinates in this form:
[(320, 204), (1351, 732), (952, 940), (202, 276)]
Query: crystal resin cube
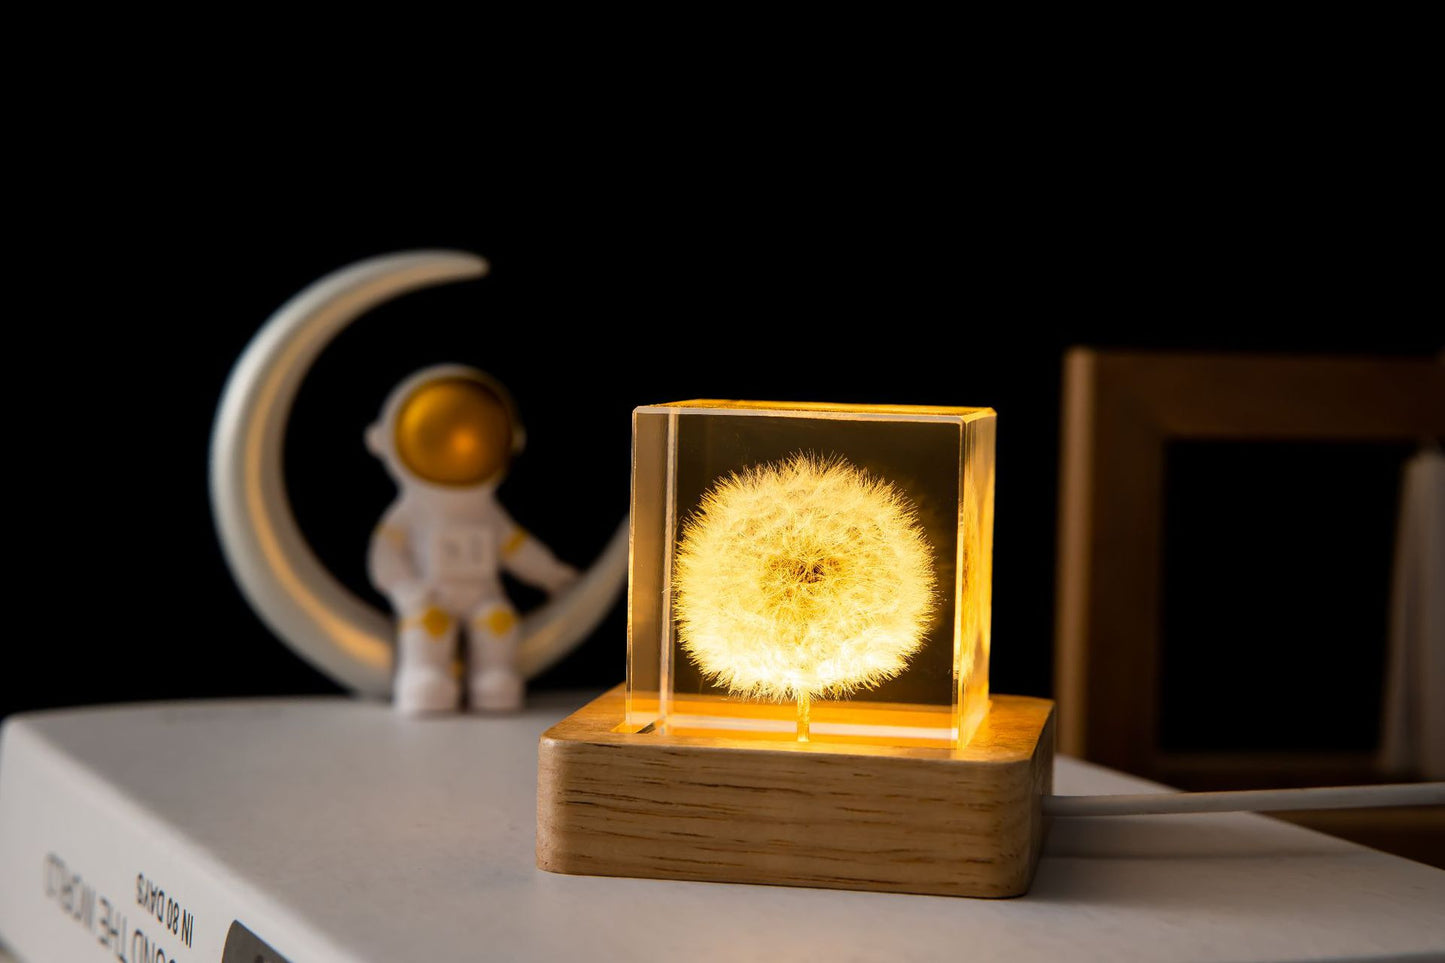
[(810, 572)]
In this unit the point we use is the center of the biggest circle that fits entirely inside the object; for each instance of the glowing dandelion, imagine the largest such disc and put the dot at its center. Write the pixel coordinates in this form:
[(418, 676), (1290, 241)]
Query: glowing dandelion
[(800, 578)]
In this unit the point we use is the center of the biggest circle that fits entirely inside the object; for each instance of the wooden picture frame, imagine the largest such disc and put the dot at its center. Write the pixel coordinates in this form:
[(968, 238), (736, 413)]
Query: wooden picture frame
[(1120, 410)]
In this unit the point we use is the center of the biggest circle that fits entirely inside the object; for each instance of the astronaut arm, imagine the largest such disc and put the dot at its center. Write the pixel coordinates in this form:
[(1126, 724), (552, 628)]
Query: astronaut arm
[(532, 562), (390, 565)]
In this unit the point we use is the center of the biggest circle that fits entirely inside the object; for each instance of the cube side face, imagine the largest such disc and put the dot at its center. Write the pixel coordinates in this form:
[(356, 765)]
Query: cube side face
[(648, 580), (975, 573), (722, 489)]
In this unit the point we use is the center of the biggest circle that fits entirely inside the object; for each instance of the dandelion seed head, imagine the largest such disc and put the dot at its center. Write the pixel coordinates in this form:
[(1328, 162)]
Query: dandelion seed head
[(806, 576)]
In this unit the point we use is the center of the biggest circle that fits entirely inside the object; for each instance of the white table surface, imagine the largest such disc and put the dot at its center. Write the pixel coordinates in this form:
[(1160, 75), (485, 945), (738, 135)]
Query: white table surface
[(428, 828)]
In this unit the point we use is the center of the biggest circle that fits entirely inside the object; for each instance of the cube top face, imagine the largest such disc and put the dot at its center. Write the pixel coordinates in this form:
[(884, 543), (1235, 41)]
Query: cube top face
[(810, 571), (823, 408)]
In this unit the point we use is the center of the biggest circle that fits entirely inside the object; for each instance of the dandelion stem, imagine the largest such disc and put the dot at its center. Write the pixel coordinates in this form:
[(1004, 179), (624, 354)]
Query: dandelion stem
[(804, 706)]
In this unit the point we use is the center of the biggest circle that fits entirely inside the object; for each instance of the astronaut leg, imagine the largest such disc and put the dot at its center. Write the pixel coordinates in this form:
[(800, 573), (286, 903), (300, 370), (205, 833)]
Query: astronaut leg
[(426, 651), (493, 637)]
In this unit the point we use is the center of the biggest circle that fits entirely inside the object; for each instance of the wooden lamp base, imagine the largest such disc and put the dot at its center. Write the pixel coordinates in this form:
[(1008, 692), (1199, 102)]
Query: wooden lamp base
[(951, 822)]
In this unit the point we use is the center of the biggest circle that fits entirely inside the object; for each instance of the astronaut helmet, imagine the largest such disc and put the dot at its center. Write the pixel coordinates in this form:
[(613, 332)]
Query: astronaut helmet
[(448, 426)]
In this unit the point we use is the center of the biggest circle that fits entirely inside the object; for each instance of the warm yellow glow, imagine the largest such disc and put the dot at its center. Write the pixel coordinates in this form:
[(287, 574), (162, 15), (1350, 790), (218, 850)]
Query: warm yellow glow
[(803, 578), (907, 411), (454, 431)]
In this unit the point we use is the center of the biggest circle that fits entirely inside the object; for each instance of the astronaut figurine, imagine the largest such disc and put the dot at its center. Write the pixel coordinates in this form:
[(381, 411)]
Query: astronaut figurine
[(447, 435)]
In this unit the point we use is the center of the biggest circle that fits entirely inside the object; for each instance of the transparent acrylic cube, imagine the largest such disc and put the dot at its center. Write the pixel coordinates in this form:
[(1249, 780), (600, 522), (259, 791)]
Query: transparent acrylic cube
[(810, 572)]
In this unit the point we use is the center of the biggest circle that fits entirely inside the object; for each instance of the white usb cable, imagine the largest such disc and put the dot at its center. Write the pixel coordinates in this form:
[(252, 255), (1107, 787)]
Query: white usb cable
[(1252, 800)]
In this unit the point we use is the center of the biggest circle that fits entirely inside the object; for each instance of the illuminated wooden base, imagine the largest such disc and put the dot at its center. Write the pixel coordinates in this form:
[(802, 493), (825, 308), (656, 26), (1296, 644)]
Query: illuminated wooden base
[(951, 822)]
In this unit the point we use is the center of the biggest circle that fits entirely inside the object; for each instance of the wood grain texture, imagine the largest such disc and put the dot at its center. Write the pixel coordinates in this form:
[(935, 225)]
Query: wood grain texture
[(961, 822)]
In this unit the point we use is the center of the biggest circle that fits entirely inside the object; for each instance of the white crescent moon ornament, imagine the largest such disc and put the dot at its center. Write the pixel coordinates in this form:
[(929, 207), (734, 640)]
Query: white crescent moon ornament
[(277, 571)]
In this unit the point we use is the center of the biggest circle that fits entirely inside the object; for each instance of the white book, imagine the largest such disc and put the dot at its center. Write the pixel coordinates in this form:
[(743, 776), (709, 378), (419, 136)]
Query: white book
[(332, 831), (96, 866)]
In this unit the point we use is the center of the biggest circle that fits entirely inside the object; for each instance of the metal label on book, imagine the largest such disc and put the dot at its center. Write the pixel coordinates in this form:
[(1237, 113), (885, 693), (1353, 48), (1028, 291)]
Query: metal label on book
[(243, 946)]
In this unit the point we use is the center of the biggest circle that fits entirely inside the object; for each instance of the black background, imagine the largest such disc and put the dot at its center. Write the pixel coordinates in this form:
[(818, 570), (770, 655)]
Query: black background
[(804, 269)]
